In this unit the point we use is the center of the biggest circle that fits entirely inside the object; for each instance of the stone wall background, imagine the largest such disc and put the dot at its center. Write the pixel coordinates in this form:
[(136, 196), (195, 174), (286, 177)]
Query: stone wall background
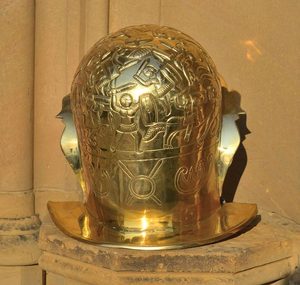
[(254, 43)]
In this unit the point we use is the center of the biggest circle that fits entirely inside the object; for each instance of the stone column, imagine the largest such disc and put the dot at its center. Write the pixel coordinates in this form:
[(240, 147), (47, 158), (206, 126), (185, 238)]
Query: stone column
[(18, 224), (65, 29)]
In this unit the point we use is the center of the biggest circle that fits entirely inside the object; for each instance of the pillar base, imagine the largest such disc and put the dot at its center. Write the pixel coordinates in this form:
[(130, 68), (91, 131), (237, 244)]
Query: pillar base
[(266, 253), (18, 241)]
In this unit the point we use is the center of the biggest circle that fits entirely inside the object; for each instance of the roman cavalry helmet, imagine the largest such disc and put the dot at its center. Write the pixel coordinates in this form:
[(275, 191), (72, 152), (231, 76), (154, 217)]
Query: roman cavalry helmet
[(150, 144)]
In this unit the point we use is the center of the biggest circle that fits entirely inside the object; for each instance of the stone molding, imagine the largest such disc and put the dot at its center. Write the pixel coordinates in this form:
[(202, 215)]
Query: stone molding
[(19, 241), (22, 226), (95, 275)]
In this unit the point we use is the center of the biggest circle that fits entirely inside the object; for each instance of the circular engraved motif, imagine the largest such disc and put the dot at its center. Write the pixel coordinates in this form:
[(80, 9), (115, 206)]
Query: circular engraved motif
[(126, 100), (142, 187), (150, 72)]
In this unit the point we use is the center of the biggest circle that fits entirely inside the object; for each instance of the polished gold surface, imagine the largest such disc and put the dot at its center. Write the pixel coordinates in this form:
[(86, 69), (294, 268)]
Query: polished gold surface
[(73, 219), (151, 155)]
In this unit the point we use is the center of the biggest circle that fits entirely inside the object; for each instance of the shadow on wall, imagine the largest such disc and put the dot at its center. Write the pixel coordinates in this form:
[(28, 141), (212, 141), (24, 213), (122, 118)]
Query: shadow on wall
[(239, 162)]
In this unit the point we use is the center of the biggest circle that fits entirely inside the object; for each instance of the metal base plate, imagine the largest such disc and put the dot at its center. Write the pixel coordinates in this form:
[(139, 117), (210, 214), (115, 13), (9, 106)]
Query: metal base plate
[(73, 219)]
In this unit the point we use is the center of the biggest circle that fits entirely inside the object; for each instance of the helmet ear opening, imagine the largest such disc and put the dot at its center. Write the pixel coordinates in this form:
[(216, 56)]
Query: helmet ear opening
[(69, 140), (230, 136), (230, 175)]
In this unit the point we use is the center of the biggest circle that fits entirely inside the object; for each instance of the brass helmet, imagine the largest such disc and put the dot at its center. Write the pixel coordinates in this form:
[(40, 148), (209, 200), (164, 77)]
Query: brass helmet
[(150, 154)]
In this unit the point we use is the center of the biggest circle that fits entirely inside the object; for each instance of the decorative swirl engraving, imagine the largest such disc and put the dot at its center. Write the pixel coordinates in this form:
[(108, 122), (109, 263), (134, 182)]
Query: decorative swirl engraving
[(189, 179)]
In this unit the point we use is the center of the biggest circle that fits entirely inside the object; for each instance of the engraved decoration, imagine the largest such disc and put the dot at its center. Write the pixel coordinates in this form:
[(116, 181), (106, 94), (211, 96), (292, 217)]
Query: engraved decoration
[(147, 107)]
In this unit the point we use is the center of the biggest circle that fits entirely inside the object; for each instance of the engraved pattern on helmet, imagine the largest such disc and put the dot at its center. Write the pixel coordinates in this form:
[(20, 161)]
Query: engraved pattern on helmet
[(147, 91)]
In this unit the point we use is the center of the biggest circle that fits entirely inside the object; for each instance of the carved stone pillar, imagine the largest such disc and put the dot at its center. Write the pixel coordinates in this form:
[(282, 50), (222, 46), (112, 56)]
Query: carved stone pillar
[(18, 223), (65, 29)]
